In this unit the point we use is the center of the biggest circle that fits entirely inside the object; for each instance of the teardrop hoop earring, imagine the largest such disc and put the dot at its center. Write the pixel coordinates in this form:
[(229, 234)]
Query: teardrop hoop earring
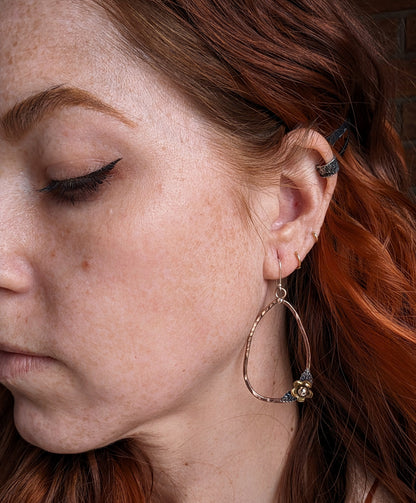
[(302, 387)]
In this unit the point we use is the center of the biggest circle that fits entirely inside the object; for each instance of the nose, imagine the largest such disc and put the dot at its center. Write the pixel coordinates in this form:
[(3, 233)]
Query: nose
[(16, 233), (15, 272)]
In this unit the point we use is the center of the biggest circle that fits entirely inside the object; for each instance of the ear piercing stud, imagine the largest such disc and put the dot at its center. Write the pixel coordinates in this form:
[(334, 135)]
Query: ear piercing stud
[(299, 260), (315, 236)]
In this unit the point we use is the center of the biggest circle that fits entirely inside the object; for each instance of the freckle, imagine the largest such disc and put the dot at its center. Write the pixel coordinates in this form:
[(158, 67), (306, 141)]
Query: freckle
[(85, 265), (186, 464), (53, 254)]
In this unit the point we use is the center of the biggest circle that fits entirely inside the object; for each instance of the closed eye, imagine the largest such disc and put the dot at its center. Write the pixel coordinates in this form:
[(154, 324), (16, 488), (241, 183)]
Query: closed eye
[(80, 188)]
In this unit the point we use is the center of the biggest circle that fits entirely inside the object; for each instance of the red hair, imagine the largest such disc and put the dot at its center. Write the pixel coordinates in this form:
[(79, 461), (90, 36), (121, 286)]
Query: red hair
[(258, 68)]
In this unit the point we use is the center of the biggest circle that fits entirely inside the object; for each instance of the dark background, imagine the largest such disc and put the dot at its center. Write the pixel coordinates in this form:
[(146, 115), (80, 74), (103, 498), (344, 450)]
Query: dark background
[(394, 22)]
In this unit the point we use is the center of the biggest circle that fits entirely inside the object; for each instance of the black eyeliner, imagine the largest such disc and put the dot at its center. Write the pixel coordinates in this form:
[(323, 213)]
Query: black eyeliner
[(76, 182), (80, 188)]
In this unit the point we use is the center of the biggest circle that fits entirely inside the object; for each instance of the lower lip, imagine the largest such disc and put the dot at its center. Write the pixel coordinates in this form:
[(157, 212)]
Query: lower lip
[(13, 365)]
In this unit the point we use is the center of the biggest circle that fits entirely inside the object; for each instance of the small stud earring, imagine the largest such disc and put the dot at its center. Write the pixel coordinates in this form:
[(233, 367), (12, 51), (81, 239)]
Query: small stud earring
[(299, 260), (315, 236)]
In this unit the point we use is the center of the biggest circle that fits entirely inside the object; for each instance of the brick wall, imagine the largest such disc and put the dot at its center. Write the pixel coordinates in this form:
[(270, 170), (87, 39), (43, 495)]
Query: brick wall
[(395, 23)]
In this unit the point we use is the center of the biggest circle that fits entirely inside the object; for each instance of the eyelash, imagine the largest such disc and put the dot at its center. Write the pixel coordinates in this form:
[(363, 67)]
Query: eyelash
[(80, 188)]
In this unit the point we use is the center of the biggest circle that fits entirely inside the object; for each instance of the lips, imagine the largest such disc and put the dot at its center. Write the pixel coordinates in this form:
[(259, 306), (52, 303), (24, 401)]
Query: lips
[(16, 362), (17, 350)]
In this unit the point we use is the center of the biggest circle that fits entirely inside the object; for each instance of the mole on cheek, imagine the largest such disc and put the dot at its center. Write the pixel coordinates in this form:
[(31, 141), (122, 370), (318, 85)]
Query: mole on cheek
[(85, 265)]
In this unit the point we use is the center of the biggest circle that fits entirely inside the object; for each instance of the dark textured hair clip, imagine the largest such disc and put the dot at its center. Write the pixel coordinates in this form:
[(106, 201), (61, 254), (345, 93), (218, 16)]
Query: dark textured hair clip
[(332, 167)]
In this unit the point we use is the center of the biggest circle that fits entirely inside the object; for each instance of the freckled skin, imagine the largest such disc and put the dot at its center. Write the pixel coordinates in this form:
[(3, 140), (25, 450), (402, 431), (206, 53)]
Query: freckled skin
[(144, 295)]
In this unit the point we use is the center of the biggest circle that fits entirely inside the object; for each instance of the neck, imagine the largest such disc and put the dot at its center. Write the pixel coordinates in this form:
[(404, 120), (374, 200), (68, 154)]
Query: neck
[(228, 446), (239, 459)]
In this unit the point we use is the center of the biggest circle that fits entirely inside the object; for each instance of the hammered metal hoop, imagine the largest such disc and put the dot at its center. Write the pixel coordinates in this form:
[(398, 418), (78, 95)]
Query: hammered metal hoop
[(301, 387)]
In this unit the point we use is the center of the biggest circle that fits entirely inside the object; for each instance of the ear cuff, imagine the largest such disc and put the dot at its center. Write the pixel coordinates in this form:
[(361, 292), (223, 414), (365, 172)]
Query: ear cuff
[(332, 167), (329, 169)]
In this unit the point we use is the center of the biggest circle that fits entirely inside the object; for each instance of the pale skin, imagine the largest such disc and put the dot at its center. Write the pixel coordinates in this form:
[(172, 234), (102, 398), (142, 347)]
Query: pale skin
[(142, 295)]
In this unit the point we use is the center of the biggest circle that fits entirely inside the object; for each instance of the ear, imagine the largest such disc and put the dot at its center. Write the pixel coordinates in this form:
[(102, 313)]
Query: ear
[(301, 203)]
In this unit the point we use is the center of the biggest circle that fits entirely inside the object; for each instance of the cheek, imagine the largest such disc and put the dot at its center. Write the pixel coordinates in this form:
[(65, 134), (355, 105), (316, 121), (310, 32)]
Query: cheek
[(153, 304)]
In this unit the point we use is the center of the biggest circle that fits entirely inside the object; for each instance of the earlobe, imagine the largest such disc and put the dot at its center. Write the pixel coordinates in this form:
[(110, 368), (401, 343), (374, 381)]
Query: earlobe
[(304, 198)]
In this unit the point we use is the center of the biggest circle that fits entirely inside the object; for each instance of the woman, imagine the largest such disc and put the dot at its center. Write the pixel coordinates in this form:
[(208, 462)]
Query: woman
[(169, 170)]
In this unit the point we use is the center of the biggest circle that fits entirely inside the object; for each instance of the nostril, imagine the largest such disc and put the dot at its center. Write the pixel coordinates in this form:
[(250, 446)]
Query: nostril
[(16, 274)]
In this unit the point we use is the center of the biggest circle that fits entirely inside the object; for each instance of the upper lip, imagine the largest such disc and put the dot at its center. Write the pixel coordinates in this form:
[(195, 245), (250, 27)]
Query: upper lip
[(17, 350)]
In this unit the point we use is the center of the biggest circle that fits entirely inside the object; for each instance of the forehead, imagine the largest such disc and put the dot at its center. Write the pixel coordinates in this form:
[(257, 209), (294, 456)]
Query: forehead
[(70, 43), (46, 42)]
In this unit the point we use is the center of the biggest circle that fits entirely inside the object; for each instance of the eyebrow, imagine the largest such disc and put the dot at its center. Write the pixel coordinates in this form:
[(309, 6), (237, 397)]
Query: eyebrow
[(23, 116)]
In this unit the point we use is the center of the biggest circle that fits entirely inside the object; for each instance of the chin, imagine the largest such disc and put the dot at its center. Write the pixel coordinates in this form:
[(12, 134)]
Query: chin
[(52, 443), (55, 436)]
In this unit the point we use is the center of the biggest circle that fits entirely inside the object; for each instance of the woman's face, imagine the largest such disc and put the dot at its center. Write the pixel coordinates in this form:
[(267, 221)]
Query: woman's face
[(140, 290)]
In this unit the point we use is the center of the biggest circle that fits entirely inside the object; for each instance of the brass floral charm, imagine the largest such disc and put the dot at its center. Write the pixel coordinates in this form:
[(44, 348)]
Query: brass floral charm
[(302, 390)]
